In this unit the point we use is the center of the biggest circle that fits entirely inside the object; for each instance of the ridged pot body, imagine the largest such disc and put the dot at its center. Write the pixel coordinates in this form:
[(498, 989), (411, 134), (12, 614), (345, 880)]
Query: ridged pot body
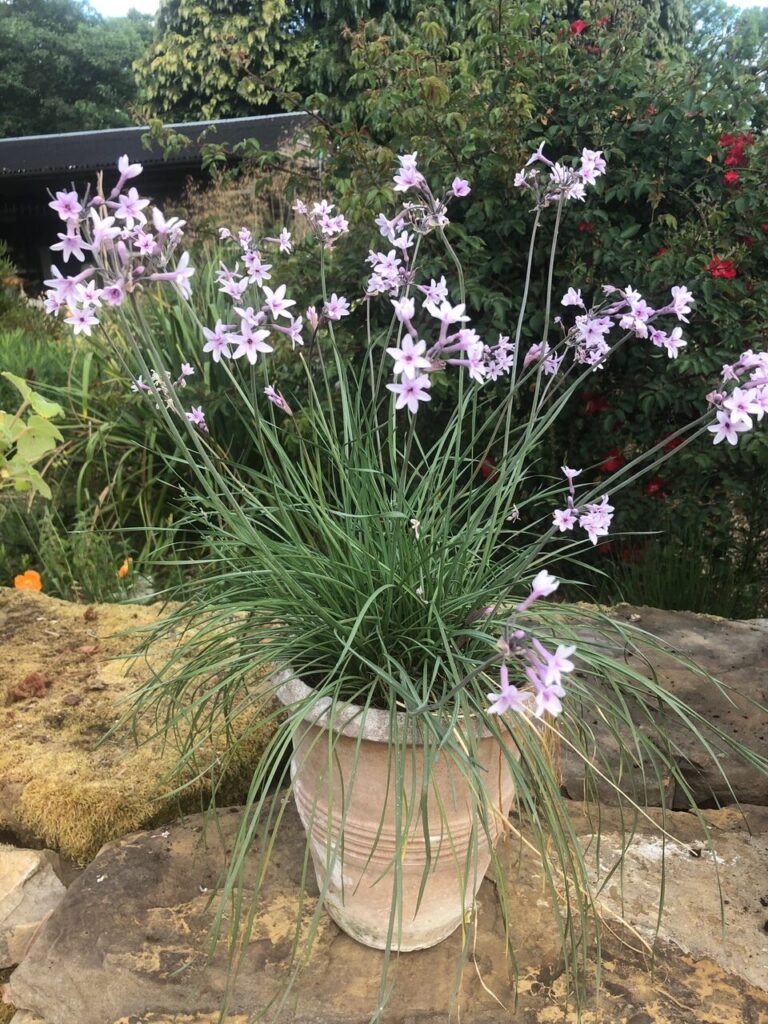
[(360, 797)]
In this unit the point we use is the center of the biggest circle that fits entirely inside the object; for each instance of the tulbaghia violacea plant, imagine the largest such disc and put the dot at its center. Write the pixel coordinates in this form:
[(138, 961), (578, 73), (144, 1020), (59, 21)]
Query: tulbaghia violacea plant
[(390, 563)]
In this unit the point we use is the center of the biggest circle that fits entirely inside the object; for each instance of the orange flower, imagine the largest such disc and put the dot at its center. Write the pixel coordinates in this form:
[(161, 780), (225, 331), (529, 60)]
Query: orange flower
[(125, 568), (30, 580)]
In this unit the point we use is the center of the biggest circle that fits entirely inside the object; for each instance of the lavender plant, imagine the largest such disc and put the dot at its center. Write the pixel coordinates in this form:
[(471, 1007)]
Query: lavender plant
[(376, 556)]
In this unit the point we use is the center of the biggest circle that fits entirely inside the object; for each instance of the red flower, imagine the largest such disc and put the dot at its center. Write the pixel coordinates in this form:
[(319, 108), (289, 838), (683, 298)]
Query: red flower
[(764, 228), (673, 443), (612, 461), (660, 252), (726, 140), (721, 268), (488, 469), (655, 486), (586, 227), (594, 403), (577, 27), (731, 178), (746, 240), (735, 157)]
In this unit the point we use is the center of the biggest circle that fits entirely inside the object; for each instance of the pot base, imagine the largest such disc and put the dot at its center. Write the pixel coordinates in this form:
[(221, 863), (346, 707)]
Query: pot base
[(427, 937)]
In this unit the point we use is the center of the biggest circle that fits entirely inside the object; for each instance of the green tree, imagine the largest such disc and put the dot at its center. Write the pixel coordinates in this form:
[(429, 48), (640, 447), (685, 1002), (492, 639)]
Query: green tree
[(65, 68)]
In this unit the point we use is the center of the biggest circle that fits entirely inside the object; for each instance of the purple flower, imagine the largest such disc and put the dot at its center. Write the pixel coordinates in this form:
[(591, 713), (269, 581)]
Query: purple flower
[(70, 244), (435, 292), (250, 343), (411, 392), (336, 307), (592, 165), (81, 320), (67, 205), (543, 585), (572, 298), (509, 698), (409, 357), (554, 665), (114, 294), (596, 520), (276, 302), (564, 519), (446, 313), (460, 188), (726, 429), (129, 208), (277, 399), (218, 340), (196, 416), (187, 370), (180, 276)]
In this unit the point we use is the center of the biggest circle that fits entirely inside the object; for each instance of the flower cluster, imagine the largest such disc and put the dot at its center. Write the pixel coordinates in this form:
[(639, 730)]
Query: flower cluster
[(747, 398), (735, 146), (560, 182), (543, 669), (594, 517), (323, 222), (128, 243), (626, 310)]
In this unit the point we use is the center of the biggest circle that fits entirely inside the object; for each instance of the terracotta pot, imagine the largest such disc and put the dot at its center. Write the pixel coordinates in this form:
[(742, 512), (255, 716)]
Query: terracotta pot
[(346, 795)]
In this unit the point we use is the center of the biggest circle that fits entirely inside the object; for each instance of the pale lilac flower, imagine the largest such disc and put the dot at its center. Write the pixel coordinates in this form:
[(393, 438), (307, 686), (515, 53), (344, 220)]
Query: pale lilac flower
[(548, 696), (139, 385), (114, 293), (250, 343), (564, 519), (66, 287), (726, 430), (312, 318), (276, 302), (284, 240), (405, 309), (592, 165), (81, 320), (596, 519), (70, 244), (187, 370), (411, 392), (538, 156), (196, 416), (537, 351), (127, 171), (544, 584), (165, 228), (446, 313), (244, 237), (277, 399), (89, 295), (234, 288), (224, 234), (54, 304), (674, 342), (180, 276), (218, 340), (554, 665), (67, 205), (552, 363), (407, 178), (294, 332), (409, 357), (129, 208), (435, 292), (336, 307), (103, 230), (258, 272), (145, 243), (572, 298), (680, 305), (570, 475), (460, 188), (741, 405), (509, 698)]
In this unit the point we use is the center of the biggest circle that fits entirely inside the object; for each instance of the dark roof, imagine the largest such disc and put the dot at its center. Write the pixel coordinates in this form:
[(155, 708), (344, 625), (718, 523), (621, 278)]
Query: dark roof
[(87, 151)]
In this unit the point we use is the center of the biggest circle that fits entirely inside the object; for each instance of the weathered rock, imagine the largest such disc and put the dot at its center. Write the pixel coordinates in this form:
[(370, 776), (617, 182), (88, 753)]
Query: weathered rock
[(127, 946), (29, 891), (60, 786), (736, 653)]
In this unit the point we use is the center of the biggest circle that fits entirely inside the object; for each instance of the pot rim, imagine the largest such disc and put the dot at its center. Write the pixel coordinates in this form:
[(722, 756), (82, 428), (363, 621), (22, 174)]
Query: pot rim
[(347, 721)]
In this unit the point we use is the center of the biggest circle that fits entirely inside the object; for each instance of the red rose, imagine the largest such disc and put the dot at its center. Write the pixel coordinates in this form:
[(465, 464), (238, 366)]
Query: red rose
[(654, 487), (731, 178), (594, 403), (726, 140), (735, 158), (612, 461), (660, 252), (577, 27), (488, 469), (721, 268)]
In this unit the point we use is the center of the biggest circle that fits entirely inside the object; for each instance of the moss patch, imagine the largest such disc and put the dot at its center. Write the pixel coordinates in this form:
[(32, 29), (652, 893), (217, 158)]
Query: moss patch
[(57, 784)]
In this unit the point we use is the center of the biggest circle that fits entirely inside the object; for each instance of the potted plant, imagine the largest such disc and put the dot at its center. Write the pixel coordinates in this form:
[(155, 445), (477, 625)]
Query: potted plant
[(379, 578)]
